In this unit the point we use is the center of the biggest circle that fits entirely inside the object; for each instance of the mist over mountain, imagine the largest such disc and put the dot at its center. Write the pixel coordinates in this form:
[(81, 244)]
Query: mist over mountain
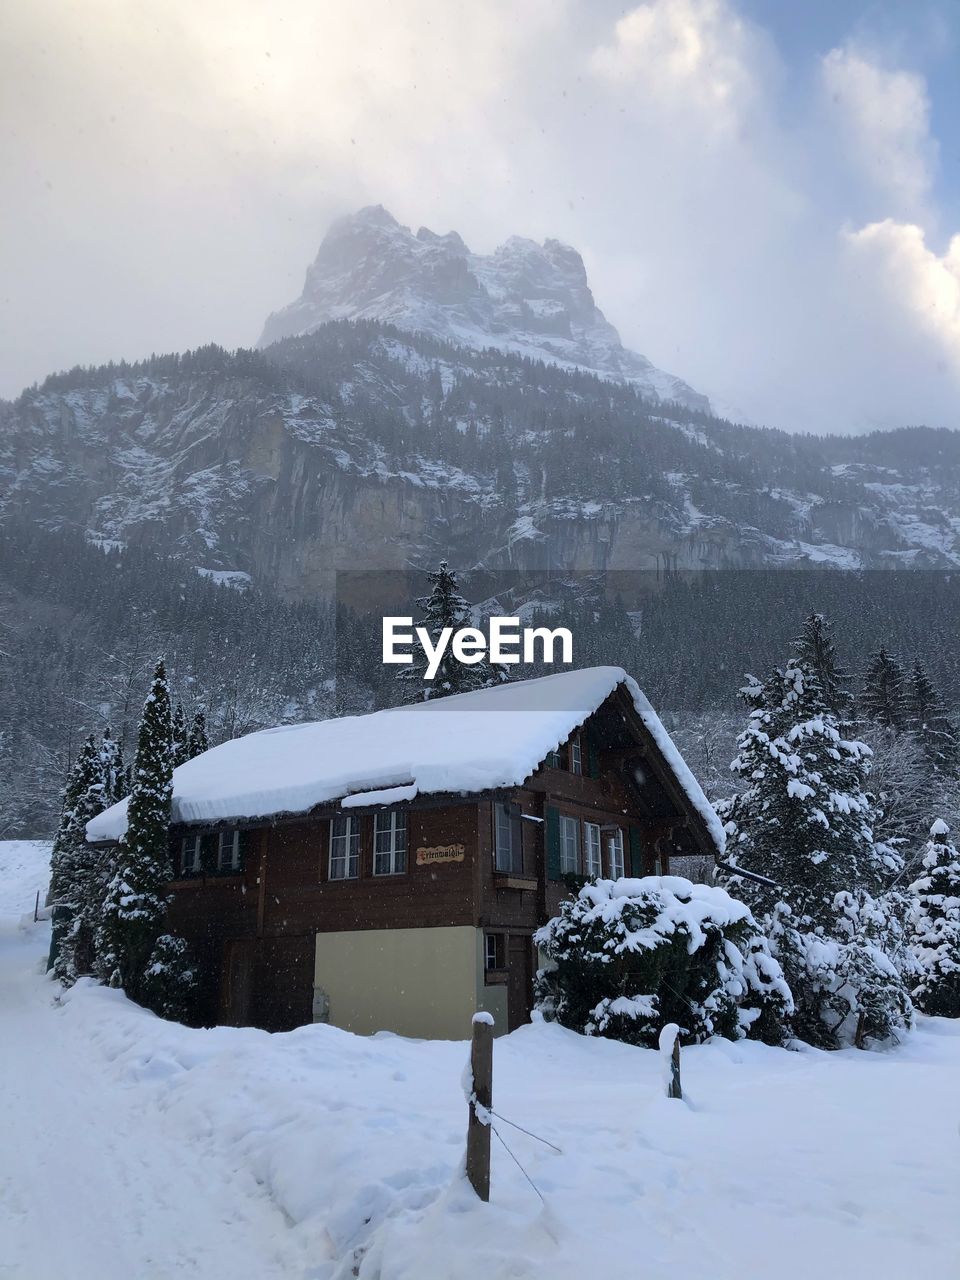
[(525, 298)]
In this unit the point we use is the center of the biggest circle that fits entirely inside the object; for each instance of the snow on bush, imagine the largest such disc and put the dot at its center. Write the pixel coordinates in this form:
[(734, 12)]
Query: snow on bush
[(935, 926), (632, 955)]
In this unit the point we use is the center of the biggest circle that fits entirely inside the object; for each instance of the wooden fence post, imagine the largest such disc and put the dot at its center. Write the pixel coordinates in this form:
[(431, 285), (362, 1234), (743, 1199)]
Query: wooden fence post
[(669, 1044), (860, 1038), (675, 1090), (481, 1100)]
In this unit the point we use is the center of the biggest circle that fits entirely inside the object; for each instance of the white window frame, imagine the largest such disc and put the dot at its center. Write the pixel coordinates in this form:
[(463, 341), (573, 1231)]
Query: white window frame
[(508, 842), (228, 842), (569, 845), (493, 941), (191, 864), (592, 849), (576, 756), (344, 848), (392, 859), (615, 854)]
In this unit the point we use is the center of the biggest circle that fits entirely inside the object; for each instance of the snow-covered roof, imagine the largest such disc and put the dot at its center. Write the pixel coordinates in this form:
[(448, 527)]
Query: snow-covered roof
[(467, 743)]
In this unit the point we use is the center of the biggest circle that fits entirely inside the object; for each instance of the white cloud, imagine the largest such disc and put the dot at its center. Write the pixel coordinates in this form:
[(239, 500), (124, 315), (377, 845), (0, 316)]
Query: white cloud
[(687, 52), (917, 289), (170, 171), (884, 117)]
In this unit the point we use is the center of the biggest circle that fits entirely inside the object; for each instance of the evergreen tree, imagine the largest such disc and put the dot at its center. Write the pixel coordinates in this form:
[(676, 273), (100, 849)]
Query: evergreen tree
[(804, 821), (74, 866), (179, 738), (804, 818), (882, 698), (133, 950), (815, 648), (926, 718), (198, 742), (935, 926), (76, 785), (444, 608)]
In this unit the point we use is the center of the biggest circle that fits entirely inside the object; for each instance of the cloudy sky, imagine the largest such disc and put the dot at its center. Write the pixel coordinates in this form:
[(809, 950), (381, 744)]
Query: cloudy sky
[(767, 195)]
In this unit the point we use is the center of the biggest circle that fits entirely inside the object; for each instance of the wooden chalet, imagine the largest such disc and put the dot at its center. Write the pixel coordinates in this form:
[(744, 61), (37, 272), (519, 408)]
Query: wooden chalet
[(388, 871)]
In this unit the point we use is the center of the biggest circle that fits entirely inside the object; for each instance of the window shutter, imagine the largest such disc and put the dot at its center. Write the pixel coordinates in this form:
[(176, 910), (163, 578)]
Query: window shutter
[(244, 846), (593, 758), (553, 843), (636, 852)]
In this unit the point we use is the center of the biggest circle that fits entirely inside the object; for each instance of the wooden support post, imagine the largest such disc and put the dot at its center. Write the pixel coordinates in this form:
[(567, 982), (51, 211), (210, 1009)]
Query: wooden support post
[(481, 1100)]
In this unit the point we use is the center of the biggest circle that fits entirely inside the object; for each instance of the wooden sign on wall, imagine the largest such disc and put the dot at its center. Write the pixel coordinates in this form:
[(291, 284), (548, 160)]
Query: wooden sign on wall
[(440, 853)]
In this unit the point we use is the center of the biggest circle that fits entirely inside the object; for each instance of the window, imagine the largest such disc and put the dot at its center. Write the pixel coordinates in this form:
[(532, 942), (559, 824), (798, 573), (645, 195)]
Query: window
[(569, 845), (553, 760), (344, 848), (228, 851), (191, 862), (591, 849), (495, 951), (576, 760), (509, 842), (390, 842), (615, 849)]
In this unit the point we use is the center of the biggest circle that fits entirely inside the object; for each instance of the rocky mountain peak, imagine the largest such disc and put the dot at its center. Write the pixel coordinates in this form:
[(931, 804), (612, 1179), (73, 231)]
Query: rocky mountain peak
[(529, 298)]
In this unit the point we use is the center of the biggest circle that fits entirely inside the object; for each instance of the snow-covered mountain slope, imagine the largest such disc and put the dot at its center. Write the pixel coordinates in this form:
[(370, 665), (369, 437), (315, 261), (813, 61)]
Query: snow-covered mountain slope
[(138, 1147), (362, 447), (526, 298)]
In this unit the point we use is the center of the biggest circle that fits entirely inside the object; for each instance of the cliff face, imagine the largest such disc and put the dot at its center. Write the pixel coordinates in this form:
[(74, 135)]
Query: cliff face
[(363, 448)]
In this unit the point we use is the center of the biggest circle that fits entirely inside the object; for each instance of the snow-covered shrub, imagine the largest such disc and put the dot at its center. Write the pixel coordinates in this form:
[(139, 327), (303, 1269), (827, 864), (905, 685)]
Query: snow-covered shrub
[(632, 955), (935, 926), (169, 982)]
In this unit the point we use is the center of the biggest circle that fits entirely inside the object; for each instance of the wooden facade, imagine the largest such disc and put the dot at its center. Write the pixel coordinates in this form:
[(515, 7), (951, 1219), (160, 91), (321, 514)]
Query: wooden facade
[(497, 862)]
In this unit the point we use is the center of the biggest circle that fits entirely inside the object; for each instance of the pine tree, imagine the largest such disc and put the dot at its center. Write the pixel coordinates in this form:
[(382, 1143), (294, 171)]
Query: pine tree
[(198, 742), (179, 738), (804, 818), (815, 648), (804, 821), (882, 699), (444, 608), (926, 718), (74, 866), (935, 926), (131, 941), (76, 784)]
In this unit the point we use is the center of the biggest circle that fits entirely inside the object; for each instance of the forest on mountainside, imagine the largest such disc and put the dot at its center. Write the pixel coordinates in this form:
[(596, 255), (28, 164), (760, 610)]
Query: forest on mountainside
[(82, 628), (507, 432), (83, 625)]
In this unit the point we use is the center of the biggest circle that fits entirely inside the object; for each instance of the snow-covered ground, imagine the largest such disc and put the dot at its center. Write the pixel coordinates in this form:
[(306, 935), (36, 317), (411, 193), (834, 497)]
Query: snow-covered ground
[(132, 1147)]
